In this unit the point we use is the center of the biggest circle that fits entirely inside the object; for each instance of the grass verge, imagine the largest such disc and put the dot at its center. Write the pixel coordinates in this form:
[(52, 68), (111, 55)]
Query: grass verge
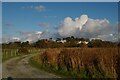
[(60, 72)]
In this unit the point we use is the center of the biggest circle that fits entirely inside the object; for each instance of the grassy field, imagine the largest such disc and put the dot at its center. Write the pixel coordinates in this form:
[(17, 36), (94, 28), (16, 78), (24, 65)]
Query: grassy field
[(79, 62), (10, 53)]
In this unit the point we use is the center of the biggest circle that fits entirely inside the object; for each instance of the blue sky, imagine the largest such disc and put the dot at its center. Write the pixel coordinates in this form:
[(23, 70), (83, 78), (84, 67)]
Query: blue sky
[(39, 16), (0, 22), (61, 0)]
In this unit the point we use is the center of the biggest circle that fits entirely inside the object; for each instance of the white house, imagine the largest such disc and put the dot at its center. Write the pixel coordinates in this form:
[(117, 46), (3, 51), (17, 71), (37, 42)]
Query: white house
[(62, 41), (85, 42)]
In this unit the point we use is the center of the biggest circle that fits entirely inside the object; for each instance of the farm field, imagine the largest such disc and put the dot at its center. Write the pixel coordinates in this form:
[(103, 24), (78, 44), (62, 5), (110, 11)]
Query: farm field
[(79, 62)]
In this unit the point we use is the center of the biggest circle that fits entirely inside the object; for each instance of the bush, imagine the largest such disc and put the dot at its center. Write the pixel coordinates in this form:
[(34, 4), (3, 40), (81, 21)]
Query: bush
[(23, 50)]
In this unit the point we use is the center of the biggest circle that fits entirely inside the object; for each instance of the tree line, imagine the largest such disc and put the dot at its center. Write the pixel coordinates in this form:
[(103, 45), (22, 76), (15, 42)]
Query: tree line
[(70, 42)]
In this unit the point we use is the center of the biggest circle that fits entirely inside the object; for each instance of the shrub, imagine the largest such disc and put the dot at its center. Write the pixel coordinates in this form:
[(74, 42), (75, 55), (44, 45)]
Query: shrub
[(23, 50)]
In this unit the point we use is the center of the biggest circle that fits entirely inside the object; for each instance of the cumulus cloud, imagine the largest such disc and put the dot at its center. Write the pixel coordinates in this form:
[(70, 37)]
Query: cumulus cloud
[(10, 39), (87, 27), (82, 26), (30, 36), (34, 36), (70, 26), (96, 25), (109, 37)]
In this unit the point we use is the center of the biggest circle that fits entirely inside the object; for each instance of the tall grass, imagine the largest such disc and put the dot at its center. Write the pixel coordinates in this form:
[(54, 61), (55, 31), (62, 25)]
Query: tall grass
[(81, 62)]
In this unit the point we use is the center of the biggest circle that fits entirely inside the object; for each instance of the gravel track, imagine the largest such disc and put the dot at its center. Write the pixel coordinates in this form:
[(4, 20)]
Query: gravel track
[(19, 67)]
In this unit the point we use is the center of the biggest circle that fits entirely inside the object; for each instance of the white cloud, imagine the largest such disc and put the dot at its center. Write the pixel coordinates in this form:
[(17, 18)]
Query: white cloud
[(96, 25), (10, 39), (39, 8), (109, 37), (16, 39), (87, 27), (79, 27), (70, 26), (38, 32), (34, 36)]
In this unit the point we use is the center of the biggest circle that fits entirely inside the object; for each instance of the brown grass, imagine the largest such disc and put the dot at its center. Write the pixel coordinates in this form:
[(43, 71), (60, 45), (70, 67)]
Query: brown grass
[(101, 61)]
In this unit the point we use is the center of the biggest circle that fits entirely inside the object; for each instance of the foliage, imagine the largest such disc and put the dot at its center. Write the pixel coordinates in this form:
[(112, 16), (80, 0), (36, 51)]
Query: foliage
[(23, 50), (70, 42)]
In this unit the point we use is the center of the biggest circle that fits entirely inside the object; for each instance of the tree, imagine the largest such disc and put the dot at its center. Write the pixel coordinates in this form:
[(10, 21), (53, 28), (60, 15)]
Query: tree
[(58, 39), (25, 44), (23, 50), (95, 43)]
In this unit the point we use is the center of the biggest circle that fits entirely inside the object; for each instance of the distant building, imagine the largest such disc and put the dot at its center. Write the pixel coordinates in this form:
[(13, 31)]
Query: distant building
[(85, 42), (62, 41), (95, 39)]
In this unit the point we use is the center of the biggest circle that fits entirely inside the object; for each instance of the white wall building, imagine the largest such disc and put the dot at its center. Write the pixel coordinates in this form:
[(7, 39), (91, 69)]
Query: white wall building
[(85, 42), (62, 41)]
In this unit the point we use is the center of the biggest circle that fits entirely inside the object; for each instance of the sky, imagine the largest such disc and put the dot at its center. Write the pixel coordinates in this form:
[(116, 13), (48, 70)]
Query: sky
[(36, 20), (60, 0), (0, 22)]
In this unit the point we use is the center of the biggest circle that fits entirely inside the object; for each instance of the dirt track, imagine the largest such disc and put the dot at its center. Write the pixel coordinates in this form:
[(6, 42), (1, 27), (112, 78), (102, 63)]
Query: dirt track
[(19, 67)]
